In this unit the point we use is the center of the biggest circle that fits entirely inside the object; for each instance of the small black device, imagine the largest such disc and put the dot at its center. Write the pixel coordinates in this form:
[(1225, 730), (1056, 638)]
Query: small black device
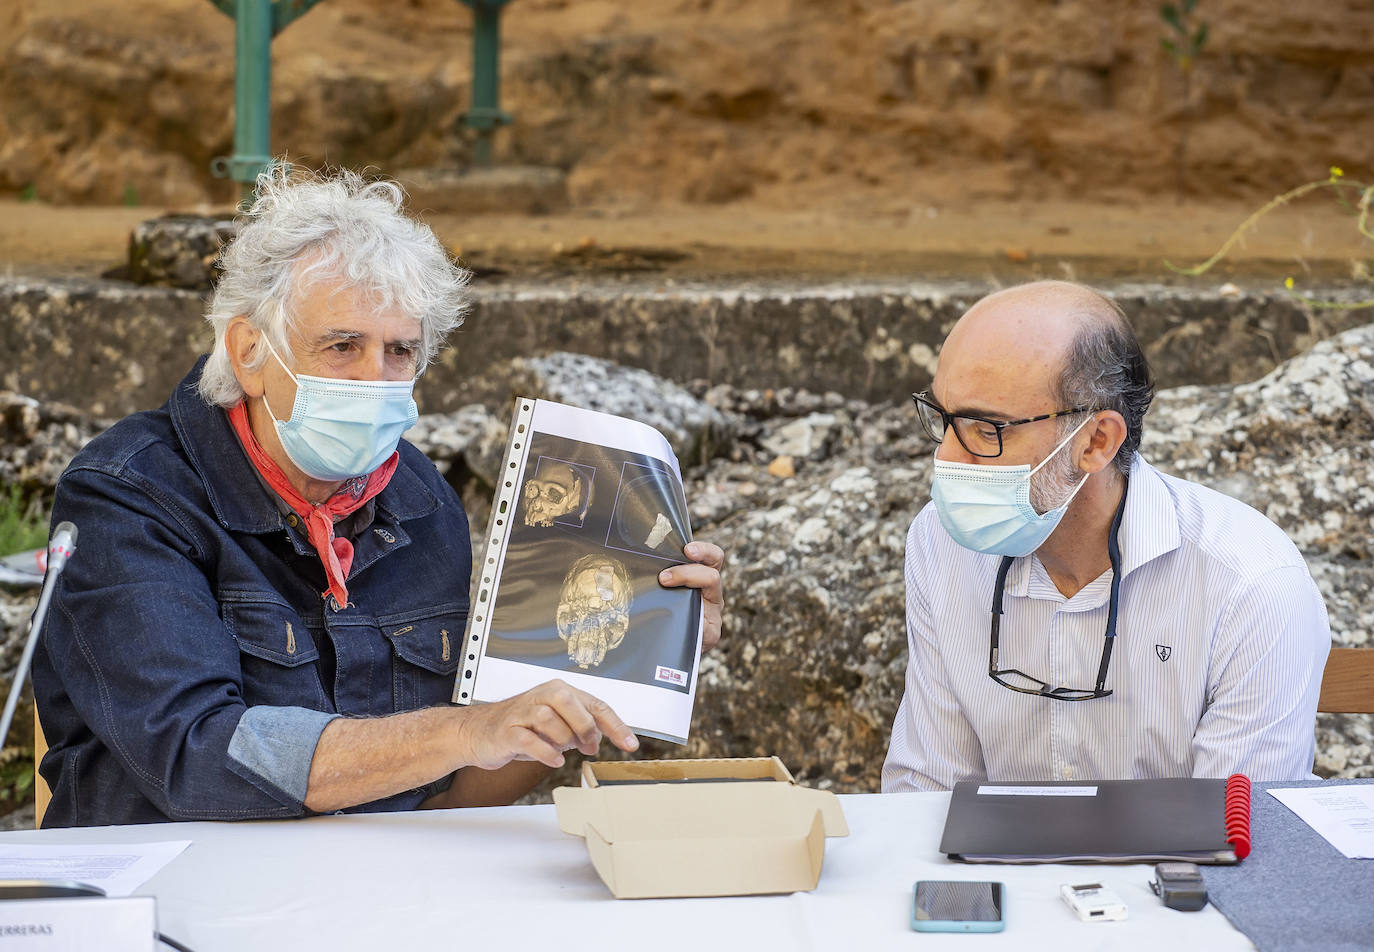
[(1180, 885), (957, 906)]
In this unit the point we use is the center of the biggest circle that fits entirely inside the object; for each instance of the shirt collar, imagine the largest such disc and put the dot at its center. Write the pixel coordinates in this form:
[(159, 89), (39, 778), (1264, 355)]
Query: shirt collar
[(1149, 529), (237, 497)]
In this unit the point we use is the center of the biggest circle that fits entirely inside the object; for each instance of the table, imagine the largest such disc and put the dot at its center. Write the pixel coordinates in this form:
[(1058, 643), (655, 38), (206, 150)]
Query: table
[(507, 877)]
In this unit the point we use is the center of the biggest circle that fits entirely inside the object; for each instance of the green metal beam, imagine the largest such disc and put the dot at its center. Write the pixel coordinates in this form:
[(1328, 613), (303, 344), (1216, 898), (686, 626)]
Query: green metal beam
[(285, 12), (485, 115), (256, 22)]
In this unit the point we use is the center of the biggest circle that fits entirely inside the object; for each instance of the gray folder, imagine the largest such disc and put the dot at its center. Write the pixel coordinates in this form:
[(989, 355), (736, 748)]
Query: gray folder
[(1103, 821)]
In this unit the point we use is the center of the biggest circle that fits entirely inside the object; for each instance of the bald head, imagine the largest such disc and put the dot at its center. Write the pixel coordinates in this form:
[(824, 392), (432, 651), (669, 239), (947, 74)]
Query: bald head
[(1043, 347), (1032, 328)]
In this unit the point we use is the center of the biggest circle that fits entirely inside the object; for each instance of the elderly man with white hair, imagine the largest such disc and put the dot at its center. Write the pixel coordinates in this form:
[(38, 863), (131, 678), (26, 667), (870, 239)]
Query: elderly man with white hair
[(267, 613)]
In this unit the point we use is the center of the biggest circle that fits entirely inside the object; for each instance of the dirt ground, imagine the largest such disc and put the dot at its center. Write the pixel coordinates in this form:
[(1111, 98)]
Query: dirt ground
[(1316, 243), (869, 108), (715, 138)]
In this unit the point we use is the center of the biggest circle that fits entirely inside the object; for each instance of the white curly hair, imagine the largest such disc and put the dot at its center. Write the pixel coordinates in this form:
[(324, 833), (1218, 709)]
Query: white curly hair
[(305, 228)]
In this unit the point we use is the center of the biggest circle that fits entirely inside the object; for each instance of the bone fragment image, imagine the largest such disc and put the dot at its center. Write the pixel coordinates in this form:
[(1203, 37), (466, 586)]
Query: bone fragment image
[(557, 490), (594, 608), (662, 526)]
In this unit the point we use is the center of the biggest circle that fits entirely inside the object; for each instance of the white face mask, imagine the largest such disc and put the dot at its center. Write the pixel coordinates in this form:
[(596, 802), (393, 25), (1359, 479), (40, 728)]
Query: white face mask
[(987, 508), (343, 428)]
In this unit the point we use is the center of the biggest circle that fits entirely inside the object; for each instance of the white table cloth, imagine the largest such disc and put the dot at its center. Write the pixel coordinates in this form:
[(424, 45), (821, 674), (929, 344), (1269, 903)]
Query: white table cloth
[(507, 878)]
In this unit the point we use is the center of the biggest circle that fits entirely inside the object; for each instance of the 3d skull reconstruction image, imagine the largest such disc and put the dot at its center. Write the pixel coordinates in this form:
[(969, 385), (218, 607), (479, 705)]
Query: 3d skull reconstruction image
[(594, 608), (557, 491)]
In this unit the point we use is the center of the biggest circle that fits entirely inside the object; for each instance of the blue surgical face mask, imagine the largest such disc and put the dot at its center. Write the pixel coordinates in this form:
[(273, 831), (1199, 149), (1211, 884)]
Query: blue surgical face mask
[(340, 429), (987, 508)]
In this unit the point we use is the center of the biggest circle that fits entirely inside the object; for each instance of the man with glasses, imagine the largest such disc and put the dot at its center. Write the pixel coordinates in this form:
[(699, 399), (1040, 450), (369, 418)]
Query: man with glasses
[(1073, 613), (267, 612)]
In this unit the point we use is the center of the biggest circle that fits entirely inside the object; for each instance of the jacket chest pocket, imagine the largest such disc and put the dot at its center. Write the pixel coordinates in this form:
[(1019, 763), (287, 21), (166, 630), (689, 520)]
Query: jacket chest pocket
[(426, 650), (277, 653)]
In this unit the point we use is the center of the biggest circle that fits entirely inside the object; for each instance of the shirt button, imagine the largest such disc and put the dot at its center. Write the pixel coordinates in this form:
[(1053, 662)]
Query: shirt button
[(292, 520), (1067, 772)]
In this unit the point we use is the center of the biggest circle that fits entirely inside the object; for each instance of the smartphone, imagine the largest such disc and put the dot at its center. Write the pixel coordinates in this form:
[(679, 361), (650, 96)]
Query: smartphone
[(956, 906)]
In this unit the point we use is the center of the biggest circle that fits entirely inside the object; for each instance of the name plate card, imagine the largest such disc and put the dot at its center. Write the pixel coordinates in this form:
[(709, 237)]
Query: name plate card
[(79, 925)]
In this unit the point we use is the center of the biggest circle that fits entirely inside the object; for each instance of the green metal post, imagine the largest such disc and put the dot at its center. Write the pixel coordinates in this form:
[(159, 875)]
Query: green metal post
[(256, 22), (252, 93), (485, 115)]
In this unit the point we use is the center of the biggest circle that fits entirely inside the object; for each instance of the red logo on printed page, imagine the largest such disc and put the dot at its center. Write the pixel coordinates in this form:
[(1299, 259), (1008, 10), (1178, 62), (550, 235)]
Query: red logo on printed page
[(671, 675)]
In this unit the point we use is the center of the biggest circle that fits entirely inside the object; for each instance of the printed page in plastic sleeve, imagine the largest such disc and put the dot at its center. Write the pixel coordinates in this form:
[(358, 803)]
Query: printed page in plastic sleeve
[(589, 510)]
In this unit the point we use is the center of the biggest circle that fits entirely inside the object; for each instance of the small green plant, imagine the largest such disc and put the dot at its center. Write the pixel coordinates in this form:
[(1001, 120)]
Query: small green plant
[(28, 193), (16, 776), (1184, 41), (1187, 41), (1342, 187), (23, 525), (131, 196)]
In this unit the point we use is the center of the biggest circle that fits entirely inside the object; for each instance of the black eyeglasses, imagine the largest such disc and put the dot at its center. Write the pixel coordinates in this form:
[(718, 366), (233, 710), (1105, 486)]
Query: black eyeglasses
[(1015, 680), (980, 436)]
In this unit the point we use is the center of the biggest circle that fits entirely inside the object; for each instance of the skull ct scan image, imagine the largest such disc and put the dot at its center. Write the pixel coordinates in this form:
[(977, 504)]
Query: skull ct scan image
[(594, 608), (558, 492)]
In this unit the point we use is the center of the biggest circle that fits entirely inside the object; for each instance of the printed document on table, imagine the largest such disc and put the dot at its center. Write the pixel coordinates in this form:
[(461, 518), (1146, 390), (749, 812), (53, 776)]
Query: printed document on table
[(1343, 814), (117, 868)]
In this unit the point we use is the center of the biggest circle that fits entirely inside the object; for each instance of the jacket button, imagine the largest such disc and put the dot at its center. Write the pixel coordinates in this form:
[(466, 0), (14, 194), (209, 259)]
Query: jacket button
[(292, 520)]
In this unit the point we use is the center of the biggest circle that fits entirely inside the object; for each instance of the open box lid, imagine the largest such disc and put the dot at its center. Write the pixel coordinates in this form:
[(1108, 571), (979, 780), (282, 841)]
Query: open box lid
[(700, 828)]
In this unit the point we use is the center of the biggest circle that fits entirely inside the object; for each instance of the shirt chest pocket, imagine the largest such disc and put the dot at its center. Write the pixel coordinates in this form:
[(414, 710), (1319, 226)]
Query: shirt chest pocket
[(277, 652), (426, 652)]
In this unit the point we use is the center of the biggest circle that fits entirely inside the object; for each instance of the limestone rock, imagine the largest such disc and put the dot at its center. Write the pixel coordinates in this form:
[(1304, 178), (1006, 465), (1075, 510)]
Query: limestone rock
[(503, 190), (179, 251), (1298, 445), (471, 436), (15, 609), (782, 467), (802, 438), (108, 347), (112, 347), (37, 441), (695, 429), (811, 665)]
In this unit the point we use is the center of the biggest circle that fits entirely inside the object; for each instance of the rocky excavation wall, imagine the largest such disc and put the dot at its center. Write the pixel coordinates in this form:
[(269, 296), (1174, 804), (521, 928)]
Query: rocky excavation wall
[(812, 661), (111, 347)]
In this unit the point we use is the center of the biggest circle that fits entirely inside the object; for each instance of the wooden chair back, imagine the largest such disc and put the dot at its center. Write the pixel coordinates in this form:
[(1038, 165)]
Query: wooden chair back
[(1348, 682), (41, 794)]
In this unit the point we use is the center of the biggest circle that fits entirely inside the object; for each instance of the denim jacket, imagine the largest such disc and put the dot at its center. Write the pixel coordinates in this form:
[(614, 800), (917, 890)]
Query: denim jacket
[(192, 601)]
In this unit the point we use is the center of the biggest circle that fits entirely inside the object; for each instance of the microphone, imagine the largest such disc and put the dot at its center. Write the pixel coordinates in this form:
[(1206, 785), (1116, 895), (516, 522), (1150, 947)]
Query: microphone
[(62, 546), (60, 549)]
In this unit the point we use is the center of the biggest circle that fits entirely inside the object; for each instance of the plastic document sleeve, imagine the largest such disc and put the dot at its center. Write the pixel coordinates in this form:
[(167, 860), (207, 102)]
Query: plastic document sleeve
[(589, 509)]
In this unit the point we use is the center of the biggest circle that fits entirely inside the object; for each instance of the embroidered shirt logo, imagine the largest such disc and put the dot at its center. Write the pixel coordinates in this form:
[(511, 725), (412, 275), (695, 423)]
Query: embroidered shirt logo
[(1163, 651)]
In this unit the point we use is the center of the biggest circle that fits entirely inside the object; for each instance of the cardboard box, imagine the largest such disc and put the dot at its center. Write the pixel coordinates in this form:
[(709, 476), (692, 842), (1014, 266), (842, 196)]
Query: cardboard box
[(667, 828)]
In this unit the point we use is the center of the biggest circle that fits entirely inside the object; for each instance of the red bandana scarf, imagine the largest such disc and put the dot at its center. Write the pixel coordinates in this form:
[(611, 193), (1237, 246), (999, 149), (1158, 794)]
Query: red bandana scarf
[(335, 554)]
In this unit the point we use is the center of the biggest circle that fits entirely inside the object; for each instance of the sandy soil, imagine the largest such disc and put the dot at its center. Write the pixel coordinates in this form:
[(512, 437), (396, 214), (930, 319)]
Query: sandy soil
[(1008, 241)]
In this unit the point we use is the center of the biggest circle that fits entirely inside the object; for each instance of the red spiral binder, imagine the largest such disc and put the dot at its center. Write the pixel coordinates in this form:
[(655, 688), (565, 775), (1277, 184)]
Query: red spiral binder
[(1238, 814)]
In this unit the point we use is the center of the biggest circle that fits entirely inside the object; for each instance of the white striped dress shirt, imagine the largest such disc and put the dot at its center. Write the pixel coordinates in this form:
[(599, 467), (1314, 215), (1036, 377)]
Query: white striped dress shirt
[(1221, 641)]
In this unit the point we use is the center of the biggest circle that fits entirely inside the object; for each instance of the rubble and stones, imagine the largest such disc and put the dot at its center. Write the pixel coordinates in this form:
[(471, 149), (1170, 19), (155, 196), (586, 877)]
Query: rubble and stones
[(179, 251), (811, 664)]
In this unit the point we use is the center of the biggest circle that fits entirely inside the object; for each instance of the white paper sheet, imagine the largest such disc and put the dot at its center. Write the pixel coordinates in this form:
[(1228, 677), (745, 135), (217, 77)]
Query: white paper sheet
[(117, 868), (1343, 814)]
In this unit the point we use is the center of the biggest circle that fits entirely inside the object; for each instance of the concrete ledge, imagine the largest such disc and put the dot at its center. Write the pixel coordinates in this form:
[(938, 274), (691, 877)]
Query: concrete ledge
[(112, 348)]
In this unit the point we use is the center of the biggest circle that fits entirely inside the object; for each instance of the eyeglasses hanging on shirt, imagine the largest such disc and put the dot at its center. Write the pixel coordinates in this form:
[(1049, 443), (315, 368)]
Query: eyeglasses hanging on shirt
[(1015, 680)]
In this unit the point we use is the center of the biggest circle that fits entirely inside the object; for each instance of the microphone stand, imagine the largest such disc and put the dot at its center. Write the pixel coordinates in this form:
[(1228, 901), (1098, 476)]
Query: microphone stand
[(61, 547)]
